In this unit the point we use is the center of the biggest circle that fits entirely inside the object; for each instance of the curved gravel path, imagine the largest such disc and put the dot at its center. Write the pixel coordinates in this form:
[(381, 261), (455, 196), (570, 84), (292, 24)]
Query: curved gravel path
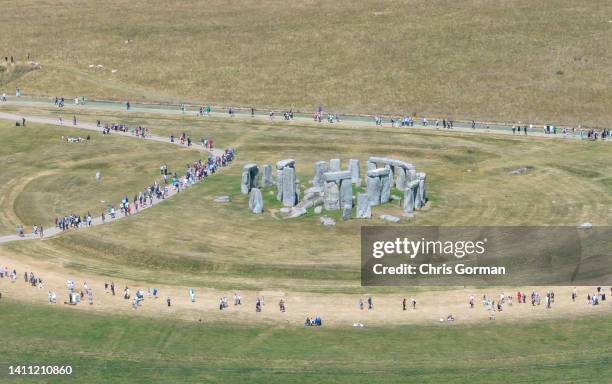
[(54, 231)]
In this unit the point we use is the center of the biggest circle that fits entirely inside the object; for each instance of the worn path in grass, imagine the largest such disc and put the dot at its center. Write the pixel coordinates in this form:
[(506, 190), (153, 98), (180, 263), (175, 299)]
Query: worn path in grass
[(347, 120), (336, 310), (50, 232)]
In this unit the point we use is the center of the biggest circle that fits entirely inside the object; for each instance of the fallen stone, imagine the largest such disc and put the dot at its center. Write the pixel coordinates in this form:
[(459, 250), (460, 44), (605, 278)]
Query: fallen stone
[(296, 212), (390, 218), (586, 226), (327, 221), (222, 199), (519, 171), (318, 210), (313, 190)]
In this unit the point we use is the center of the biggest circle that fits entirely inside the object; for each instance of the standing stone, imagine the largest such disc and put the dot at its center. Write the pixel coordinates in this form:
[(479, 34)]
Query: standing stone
[(267, 175), (391, 177), (411, 176), (254, 176), (279, 185), (385, 188), (250, 172), (346, 212), (346, 193), (354, 169), (320, 169), (400, 178), (256, 201), (408, 200), (370, 166), (422, 192), (288, 187), (244, 182), (373, 190), (414, 186), (334, 165), (331, 200), (364, 211)]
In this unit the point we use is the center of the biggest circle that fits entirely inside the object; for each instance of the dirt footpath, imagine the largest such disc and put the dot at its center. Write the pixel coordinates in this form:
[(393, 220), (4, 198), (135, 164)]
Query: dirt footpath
[(338, 310)]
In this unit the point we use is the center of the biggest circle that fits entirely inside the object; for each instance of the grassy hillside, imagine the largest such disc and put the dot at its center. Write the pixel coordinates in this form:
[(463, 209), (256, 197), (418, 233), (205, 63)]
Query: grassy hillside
[(522, 60)]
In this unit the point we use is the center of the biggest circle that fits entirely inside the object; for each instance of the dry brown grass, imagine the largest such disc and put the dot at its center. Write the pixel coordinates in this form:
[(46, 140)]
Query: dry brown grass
[(502, 60)]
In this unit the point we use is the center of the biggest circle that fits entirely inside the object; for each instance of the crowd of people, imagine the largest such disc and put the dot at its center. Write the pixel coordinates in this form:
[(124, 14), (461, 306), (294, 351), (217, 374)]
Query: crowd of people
[(494, 305), (195, 172)]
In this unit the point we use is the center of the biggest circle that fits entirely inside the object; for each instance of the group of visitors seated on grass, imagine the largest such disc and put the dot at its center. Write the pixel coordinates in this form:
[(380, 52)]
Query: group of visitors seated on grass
[(70, 139), (314, 322)]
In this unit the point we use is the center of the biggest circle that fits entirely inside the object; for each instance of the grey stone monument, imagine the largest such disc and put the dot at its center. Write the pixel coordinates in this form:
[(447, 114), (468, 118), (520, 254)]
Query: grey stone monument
[(289, 196), (346, 193), (331, 200), (409, 199), (249, 180), (354, 169), (400, 178), (334, 165), (267, 176), (373, 190), (364, 211), (319, 170), (256, 201), (346, 212), (385, 188), (422, 191)]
